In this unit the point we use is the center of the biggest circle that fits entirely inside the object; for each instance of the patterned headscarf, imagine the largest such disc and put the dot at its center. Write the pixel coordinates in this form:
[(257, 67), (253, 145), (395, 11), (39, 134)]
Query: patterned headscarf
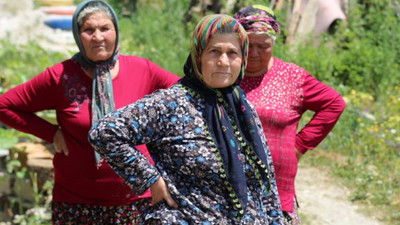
[(258, 19), (102, 93), (230, 121)]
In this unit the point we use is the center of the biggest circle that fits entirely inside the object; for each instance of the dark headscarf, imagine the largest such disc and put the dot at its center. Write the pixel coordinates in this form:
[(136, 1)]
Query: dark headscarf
[(102, 93), (229, 117)]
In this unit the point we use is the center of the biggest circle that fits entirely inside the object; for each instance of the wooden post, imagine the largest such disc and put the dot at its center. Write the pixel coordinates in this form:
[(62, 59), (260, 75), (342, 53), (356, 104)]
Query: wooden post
[(306, 24), (272, 4), (293, 22), (229, 6), (279, 4)]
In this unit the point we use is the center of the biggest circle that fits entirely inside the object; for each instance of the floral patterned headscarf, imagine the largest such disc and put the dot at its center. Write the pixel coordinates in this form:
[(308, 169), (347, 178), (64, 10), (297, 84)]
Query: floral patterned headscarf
[(230, 119), (258, 19), (102, 93)]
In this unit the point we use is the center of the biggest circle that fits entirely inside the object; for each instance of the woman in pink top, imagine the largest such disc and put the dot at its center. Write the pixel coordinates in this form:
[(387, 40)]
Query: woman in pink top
[(81, 90), (281, 92)]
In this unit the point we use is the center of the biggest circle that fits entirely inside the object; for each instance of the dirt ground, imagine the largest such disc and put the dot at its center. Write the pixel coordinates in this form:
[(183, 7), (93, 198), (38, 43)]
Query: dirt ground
[(322, 202)]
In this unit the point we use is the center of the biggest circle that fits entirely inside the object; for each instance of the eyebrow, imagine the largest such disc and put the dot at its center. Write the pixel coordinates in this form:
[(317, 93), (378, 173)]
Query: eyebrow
[(216, 46)]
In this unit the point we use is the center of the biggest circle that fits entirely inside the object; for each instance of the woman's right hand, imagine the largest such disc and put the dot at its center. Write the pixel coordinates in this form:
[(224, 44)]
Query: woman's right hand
[(59, 143), (159, 192), (298, 154)]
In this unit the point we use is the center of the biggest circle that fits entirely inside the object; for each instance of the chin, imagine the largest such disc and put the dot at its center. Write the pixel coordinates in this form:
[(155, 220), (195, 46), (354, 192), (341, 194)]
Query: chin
[(99, 59), (220, 85)]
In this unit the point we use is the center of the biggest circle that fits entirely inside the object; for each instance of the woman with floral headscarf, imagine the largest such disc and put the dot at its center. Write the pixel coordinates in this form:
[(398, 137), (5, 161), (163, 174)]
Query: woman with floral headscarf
[(81, 90), (212, 164), (281, 92)]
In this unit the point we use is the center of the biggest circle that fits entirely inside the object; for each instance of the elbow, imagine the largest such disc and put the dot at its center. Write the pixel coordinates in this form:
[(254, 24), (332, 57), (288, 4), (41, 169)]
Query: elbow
[(3, 110), (341, 104), (337, 105), (102, 136), (95, 139)]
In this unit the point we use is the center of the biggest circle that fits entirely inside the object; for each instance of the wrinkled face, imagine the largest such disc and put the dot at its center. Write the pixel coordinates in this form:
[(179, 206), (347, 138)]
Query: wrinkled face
[(98, 36), (221, 60), (260, 52)]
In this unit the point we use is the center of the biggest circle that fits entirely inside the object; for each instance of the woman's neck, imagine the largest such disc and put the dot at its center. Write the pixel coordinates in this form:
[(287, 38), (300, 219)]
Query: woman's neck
[(262, 71), (114, 71)]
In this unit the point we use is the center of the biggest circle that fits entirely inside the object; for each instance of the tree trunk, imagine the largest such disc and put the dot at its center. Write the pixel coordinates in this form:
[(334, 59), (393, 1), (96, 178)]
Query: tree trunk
[(293, 20)]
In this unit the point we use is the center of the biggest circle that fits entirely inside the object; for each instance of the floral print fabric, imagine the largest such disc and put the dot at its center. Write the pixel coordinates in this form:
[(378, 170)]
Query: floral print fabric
[(171, 123), (72, 213)]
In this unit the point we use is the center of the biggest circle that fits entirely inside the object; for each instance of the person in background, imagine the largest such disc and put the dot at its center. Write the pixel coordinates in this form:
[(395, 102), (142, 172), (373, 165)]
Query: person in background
[(281, 92), (212, 164), (82, 89)]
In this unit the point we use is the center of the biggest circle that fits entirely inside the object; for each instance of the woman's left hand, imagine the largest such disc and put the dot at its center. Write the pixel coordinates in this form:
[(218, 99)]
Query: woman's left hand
[(59, 143), (159, 192)]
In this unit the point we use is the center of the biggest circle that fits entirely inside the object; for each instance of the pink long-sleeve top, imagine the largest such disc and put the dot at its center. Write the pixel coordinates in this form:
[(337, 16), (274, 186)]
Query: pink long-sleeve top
[(280, 97), (66, 89)]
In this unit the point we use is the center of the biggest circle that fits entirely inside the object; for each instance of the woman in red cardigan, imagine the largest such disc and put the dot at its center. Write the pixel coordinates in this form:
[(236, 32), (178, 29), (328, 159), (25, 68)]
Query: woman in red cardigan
[(281, 92), (81, 90)]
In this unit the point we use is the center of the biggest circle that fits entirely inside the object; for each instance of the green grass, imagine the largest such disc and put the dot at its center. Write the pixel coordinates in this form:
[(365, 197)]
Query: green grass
[(363, 151)]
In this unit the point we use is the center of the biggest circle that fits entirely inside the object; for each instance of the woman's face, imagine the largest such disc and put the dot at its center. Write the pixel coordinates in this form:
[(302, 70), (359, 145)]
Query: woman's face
[(221, 60), (98, 36), (260, 53)]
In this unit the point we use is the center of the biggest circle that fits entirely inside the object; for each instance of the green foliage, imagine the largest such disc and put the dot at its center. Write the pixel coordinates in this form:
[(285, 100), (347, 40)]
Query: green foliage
[(20, 63), (15, 167), (361, 61), (364, 150), (40, 213), (361, 54), (156, 32), (371, 60), (8, 138)]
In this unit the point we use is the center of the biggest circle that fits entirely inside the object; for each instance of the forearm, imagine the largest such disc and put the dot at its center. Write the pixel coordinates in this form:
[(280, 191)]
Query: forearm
[(113, 137), (319, 126), (18, 106), (27, 122)]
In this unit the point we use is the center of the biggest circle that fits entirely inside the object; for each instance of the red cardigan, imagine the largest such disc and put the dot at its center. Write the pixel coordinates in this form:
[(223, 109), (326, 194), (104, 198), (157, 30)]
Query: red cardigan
[(65, 88), (280, 97)]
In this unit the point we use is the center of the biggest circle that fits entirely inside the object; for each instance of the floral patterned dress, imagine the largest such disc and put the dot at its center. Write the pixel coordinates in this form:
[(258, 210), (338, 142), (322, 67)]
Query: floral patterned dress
[(170, 122)]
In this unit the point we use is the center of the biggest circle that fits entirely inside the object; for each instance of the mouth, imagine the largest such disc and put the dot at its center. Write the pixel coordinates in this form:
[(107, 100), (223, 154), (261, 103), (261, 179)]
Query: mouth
[(252, 59), (222, 73), (99, 46)]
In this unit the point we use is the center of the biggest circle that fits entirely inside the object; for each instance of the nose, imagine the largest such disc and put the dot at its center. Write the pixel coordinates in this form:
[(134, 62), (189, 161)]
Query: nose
[(97, 35), (223, 60), (252, 51)]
